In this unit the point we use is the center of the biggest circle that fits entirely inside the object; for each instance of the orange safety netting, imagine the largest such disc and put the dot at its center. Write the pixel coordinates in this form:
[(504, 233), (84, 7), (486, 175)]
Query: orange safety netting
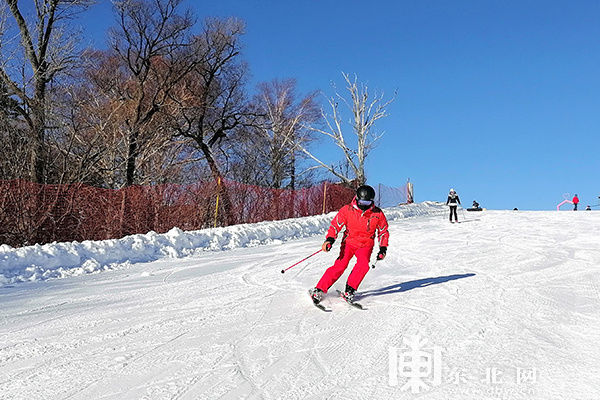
[(32, 213)]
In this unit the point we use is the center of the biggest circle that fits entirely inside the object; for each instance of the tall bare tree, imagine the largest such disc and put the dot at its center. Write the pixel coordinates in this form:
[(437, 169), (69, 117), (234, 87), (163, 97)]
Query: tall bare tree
[(46, 49), (153, 41), (282, 129), (212, 104), (96, 143), (15, 148), (365, 111), (98, 130)]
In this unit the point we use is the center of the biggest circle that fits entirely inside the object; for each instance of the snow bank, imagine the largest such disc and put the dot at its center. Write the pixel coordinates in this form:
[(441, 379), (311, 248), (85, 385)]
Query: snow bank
[(57, 260)]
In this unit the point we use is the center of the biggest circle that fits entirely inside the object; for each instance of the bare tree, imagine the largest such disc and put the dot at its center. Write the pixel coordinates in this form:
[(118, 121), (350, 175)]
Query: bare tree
[(15, 149), (282, 129), (365, 113), (94, 145), (26, 70), (95, 113), (211, 104), (152, 40)]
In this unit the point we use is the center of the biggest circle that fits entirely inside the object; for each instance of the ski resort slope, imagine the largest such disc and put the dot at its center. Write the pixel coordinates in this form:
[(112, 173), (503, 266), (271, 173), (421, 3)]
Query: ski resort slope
[(504, 305)]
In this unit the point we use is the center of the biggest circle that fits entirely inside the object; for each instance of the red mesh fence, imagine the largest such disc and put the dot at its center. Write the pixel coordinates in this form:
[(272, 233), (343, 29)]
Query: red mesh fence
[(31, 213)]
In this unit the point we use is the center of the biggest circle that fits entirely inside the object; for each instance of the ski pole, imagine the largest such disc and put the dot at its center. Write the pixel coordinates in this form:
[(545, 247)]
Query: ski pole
[(374, 264), (304, 259)]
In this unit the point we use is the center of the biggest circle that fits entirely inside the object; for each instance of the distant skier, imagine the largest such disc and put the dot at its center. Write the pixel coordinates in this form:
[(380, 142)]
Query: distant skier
[(588, 208), (453, 201), (363, 221), (575, 202), (475, 207)]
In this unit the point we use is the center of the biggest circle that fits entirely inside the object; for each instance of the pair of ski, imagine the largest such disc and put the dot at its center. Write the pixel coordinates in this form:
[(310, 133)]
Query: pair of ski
[(323, 308)]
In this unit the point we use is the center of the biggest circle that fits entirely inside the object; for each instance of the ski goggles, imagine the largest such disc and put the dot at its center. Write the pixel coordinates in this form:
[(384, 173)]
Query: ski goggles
[(364, 202)]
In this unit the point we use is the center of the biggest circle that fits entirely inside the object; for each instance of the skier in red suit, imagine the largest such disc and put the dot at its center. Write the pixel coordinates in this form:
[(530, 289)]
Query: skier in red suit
[(575, 202), (363, 221)]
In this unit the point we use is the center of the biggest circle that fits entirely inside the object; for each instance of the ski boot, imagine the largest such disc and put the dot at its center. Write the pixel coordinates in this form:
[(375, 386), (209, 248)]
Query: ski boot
[(316, 295), (348, 294)]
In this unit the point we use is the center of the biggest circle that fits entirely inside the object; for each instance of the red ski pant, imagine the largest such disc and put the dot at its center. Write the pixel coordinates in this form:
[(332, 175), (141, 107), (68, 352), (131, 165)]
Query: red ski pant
[(332, 274)]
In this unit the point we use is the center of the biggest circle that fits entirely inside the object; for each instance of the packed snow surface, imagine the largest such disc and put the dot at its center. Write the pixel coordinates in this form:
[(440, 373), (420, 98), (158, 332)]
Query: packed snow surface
[(501, 306)]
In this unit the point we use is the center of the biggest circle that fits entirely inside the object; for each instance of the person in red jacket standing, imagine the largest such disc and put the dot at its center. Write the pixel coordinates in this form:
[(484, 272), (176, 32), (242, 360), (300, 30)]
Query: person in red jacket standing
[(575, 202), (363, 221)]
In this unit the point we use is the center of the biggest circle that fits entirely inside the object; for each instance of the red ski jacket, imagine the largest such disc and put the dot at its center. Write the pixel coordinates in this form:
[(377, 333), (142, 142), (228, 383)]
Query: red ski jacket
[(361, 226), (575, 200)]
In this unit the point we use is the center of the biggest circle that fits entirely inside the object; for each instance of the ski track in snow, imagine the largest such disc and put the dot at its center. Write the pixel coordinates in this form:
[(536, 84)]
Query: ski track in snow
[(507, 290)]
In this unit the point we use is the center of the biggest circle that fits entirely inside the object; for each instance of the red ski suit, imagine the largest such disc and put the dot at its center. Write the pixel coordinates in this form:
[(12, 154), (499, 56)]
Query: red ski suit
[(358, 240)]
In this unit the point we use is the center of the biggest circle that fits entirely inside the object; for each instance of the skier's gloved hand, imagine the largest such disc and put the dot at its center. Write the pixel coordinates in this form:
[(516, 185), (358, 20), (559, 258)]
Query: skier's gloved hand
[(327, 244), (382, 251)]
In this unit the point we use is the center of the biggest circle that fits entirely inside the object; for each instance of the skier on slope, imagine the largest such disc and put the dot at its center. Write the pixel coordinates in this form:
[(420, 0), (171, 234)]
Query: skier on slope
[(453, 201), (575, 202), (363, 221)]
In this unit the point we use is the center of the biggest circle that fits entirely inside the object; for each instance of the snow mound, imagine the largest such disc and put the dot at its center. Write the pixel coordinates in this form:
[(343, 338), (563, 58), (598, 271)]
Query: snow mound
[(59, 260)]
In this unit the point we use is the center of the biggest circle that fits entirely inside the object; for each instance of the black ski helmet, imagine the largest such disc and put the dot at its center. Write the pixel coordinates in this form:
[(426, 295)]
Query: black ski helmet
[(365, 192)]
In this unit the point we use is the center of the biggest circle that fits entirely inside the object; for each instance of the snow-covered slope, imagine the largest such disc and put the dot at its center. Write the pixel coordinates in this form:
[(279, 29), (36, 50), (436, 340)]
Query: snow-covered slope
[(505, 305)]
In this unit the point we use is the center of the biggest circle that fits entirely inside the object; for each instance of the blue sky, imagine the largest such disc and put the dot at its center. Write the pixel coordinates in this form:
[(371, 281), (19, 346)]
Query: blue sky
[(497, 99)]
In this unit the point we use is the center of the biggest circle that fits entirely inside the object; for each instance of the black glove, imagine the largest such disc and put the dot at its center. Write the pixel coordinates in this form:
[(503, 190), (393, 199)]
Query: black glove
[(327, 244), (382, 251)]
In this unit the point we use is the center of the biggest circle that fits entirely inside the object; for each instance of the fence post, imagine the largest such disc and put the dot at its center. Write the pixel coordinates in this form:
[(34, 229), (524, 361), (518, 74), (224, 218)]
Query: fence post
[(324, 196), (123, 211), (217, 205)]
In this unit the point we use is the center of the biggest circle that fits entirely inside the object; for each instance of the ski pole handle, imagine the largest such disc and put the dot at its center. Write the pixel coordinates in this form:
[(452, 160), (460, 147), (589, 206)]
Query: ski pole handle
[(304, 259)]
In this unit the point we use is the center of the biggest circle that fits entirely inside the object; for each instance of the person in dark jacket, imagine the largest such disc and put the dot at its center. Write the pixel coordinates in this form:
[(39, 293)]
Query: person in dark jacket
[(475, 207), (453, 201)]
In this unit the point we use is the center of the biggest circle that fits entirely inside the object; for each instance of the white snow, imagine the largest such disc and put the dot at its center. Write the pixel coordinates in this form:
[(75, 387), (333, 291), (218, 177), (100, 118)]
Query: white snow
[(509, 299)]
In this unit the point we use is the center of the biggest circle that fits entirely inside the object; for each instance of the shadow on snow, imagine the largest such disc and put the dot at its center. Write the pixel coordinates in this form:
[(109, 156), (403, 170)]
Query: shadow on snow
[(410, 285)]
